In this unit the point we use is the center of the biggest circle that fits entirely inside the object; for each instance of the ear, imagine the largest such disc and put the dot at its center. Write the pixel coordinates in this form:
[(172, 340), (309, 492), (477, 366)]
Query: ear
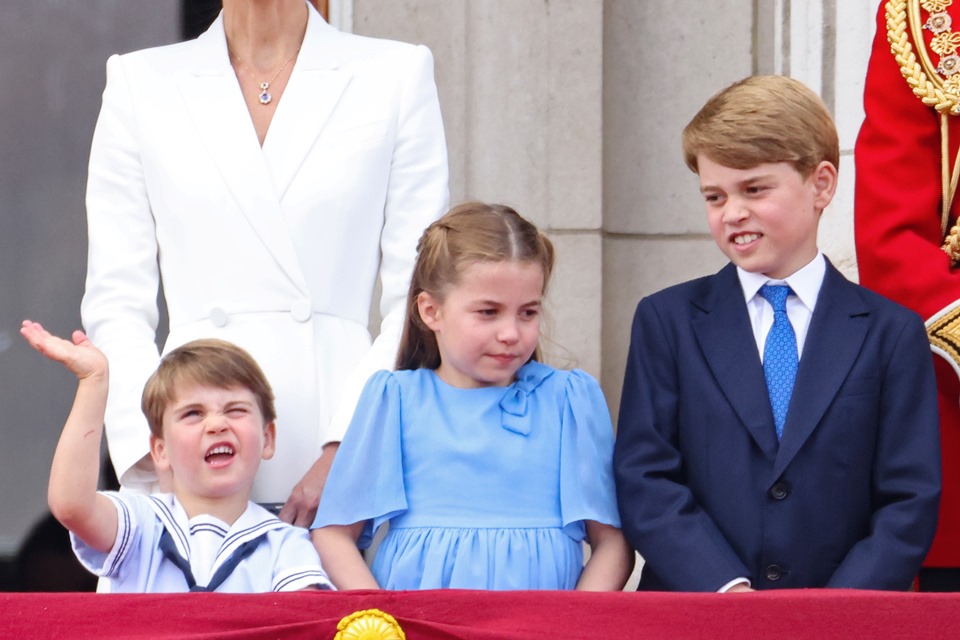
[(824, 182), (269, 440), (158, 452), (429, 309)]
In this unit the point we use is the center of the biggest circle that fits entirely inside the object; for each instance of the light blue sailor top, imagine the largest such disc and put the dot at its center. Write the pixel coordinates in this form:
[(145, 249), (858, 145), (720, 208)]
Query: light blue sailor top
[(284, 560)]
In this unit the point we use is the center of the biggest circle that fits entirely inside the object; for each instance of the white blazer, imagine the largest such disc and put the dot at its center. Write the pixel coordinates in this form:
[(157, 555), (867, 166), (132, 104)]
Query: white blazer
[(276, 249)]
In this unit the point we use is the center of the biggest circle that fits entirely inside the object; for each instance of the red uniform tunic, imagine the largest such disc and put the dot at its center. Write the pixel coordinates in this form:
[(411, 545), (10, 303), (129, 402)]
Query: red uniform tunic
[(898, 212)]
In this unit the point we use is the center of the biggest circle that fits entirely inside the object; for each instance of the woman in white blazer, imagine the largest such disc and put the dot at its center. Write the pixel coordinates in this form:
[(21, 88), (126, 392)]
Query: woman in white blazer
[(266, 218)]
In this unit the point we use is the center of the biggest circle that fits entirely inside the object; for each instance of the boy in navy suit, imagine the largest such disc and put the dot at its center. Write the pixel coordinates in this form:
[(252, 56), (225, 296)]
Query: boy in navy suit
[(778, 427)]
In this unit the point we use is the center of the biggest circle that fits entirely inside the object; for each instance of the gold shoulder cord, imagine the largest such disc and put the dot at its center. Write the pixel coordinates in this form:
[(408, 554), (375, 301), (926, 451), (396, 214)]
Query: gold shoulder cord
[(937, 86)]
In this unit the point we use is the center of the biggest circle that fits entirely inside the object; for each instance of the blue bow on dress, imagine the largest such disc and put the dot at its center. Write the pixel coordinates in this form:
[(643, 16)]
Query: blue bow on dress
[(513, 405)]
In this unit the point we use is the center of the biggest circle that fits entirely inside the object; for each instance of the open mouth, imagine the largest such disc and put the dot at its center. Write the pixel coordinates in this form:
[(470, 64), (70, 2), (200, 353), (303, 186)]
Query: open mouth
[(219, 454)]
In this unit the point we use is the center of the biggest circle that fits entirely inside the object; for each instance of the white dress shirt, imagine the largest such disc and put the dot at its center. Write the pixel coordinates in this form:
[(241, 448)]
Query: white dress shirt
[(805, 284)]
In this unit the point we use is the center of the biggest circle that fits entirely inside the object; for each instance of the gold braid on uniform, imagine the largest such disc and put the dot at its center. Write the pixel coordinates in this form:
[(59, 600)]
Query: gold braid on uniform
[(937, 86), (933, 90), (944, 334)]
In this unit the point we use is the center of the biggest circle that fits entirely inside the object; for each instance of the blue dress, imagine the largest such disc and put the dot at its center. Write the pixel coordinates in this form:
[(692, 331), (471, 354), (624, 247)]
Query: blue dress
[(483, 488)]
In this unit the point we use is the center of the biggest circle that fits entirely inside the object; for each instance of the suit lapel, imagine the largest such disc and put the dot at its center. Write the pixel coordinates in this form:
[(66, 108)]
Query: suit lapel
[(225, 132), (722, 328), (834, 339), (316, 86)]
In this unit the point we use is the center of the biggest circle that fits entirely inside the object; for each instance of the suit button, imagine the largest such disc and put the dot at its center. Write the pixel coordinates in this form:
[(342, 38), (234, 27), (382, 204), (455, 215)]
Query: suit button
[(779, 491), (218, 316), (774, 573), (301, 310)]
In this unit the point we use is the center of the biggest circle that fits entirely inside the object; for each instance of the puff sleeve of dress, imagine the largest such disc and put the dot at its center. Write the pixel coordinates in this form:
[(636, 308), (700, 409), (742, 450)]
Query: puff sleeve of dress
[(366, 479), (587, 489)]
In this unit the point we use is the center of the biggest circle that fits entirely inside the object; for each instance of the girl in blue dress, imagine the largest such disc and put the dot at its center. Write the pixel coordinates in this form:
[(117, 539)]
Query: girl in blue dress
[(490, 467)]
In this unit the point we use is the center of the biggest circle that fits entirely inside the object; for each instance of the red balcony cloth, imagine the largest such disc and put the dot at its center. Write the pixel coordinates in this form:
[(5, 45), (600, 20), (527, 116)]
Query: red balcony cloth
[(479, 615)]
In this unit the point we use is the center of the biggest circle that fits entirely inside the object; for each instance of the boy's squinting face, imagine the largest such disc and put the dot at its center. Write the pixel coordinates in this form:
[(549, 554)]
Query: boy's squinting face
[(488, 325), (765, 218), (213, 442)]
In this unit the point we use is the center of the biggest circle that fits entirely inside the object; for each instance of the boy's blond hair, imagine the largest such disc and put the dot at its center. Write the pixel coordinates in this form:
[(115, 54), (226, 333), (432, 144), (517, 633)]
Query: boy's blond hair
[(763, 119), (208, 362)]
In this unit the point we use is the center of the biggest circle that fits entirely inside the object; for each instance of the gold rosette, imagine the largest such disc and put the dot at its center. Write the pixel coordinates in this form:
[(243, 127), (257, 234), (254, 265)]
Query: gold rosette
[(369, 624)]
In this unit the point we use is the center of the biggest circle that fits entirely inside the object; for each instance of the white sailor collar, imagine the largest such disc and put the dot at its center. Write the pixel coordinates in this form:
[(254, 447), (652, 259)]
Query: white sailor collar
[(252, 523)]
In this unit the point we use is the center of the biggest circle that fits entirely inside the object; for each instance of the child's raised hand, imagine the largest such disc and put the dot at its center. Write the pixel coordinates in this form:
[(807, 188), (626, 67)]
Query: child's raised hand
[(80, 356)]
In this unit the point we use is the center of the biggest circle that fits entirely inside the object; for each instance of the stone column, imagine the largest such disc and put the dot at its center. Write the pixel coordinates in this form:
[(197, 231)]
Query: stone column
[(521, 92)]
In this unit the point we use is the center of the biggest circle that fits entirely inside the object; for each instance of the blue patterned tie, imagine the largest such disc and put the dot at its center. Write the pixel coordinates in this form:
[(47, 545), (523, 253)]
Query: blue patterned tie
[(780, 359)]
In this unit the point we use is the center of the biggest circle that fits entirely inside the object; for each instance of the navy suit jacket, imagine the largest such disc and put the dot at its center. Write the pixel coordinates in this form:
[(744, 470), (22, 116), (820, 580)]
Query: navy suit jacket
[(849, 496)]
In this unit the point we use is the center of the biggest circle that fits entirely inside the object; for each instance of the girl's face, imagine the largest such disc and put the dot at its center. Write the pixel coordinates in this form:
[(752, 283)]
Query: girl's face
[(488, 325)]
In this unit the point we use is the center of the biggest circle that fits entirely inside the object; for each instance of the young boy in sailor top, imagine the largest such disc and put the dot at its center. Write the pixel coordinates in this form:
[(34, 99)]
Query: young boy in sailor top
[(211, 418)]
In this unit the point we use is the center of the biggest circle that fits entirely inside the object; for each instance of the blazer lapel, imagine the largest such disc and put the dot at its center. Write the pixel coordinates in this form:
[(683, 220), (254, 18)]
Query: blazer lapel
[(837, 331), (722, 327), (225, 132), (316, 86)]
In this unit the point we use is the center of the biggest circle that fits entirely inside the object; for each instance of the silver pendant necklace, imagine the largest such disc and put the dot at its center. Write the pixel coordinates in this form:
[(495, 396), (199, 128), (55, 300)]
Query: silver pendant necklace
[(265, 97)]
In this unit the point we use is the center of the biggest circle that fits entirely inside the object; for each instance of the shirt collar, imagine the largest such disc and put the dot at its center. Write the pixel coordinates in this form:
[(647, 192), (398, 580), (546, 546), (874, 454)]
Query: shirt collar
[(254, 522), (805, 282)]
